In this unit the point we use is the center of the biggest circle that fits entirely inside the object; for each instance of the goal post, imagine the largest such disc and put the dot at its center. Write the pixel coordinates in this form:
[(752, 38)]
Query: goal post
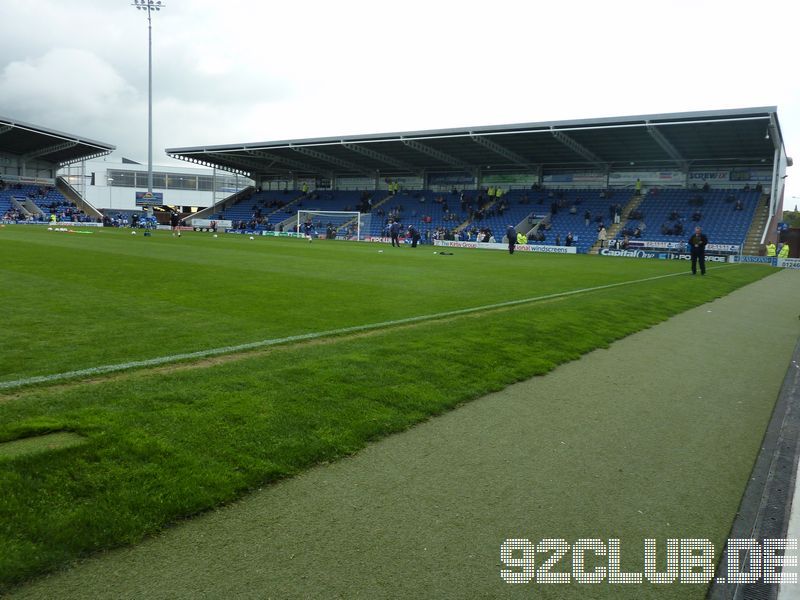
[(334, 224)]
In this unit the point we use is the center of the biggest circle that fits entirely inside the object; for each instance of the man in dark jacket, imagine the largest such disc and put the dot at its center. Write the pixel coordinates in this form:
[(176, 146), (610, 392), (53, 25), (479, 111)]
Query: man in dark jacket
[(511, 234), (394, 231), (413, 233), (697, 244), (175, 221)]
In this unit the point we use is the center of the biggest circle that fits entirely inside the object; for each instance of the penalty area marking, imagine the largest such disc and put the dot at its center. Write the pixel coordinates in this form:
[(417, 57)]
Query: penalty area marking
[(162, 360)]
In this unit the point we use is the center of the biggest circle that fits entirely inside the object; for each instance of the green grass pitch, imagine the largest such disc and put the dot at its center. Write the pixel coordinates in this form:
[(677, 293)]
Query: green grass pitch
[(166, 443)]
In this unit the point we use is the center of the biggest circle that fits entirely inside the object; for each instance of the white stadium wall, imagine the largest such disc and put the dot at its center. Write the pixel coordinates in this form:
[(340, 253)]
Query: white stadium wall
[(123, 198), (105, 194)]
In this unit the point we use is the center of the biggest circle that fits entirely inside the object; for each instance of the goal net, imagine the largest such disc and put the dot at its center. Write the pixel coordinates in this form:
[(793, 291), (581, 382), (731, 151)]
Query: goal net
[(334, 224)]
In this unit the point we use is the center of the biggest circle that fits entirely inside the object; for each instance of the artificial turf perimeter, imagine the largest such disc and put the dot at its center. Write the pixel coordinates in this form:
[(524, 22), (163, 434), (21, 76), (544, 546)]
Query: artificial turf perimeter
[(166, 443)]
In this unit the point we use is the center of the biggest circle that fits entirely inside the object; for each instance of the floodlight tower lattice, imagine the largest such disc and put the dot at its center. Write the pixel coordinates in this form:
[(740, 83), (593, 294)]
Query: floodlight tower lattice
[(149, 6)]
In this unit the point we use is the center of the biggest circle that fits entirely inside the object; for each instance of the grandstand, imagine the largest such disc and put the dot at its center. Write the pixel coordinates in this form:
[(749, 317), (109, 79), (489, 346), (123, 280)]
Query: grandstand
[(551, 174), (717, 210), (30, 157), (36, 203), (586, 164)]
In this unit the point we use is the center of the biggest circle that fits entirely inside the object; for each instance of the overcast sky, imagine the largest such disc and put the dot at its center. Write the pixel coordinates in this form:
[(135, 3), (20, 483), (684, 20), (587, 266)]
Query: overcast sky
[(245, 71)]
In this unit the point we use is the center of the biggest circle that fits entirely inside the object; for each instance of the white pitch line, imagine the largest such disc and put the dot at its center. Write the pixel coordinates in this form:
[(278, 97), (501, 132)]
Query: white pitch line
[(162, 360)]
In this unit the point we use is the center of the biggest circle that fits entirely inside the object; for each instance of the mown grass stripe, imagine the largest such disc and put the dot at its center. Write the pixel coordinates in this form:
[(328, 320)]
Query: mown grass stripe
[(161, 360)]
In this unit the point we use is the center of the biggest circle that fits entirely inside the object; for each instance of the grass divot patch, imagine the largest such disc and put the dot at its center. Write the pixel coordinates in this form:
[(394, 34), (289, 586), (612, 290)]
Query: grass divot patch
[(39, 444)]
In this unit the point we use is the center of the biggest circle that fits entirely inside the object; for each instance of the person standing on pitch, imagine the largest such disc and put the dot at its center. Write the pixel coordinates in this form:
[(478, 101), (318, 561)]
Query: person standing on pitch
[(511, 234), (413, 233), (394, 231), (697, 244), (175, 221)]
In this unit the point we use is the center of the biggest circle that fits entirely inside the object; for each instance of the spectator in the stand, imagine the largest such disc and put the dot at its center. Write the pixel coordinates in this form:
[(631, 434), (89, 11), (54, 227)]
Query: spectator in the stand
[(568, 240), (638, 187), (697, 215), (587, 217), (739, 205), (784, 251), (601, 236)]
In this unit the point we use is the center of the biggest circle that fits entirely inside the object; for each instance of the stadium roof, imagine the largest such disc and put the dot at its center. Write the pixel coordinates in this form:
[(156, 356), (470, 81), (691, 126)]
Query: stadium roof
[(33, 142), (722, 138)]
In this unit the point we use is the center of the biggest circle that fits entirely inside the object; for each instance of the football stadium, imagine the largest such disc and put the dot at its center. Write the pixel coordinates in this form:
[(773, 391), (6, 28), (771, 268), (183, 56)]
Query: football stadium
[(553, 359), (266, 408)]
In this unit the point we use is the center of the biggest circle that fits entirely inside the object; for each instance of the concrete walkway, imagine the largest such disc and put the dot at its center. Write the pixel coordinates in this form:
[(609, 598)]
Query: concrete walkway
[(792, 591), (422, 514)]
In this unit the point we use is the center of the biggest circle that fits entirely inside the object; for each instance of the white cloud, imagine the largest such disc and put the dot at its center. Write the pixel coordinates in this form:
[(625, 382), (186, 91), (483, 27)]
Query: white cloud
[(65, 81)]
